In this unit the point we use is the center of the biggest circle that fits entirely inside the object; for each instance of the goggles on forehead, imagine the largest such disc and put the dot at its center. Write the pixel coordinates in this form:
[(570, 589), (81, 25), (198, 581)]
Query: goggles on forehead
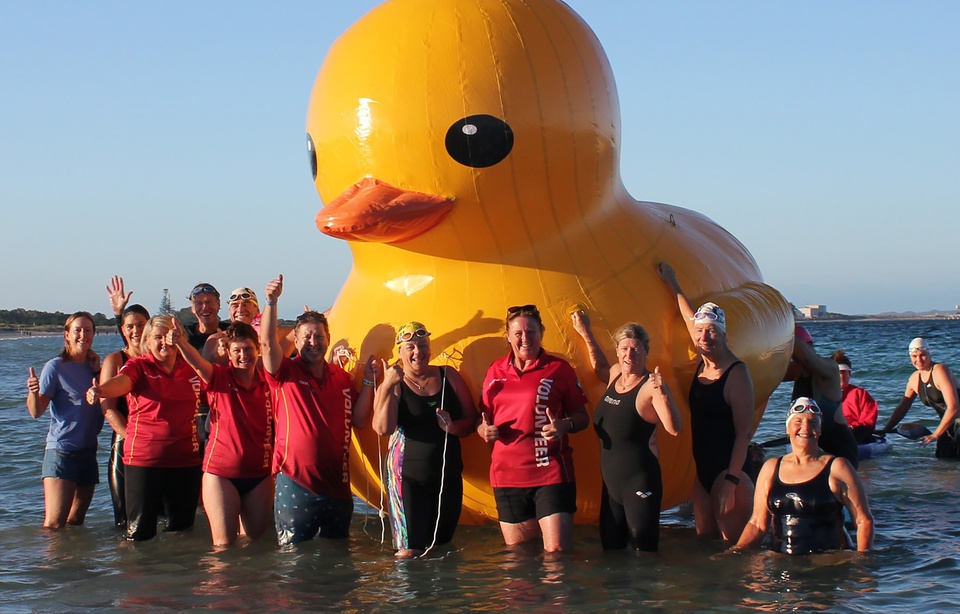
[(802, 406), (203, 289), (419, 333), (707, 315), (241, 296)]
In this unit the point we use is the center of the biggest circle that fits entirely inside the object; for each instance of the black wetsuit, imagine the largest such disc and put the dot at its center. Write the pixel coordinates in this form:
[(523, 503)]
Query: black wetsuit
[(421, 464), (807, 517), (115, 474), (632, 483), (835, 438), (712, 428), (948, 444)]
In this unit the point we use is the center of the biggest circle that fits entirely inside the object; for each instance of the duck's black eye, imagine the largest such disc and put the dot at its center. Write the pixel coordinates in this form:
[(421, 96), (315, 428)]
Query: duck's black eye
[(479, 141), (312, 154)]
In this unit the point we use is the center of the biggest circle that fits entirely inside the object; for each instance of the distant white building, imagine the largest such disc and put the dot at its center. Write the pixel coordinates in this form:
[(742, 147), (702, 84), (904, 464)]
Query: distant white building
[(813, 311)]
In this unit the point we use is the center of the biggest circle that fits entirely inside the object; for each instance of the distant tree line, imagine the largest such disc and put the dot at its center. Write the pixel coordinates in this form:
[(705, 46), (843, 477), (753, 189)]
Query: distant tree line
[(33, 319)]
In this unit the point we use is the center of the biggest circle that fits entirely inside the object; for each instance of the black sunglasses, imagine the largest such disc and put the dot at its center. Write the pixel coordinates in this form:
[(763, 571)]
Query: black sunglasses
[(203, 289), (518, 309)]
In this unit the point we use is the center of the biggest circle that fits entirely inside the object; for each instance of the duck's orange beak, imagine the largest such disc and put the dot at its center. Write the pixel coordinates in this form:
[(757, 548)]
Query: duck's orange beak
[(374, 211)]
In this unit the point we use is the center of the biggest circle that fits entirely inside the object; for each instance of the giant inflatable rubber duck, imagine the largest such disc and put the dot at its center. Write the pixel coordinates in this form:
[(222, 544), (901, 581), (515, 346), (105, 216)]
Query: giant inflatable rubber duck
[(468, 152)]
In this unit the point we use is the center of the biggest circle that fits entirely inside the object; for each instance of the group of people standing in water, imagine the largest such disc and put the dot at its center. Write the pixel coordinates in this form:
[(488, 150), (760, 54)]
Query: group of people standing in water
[(253, 420)]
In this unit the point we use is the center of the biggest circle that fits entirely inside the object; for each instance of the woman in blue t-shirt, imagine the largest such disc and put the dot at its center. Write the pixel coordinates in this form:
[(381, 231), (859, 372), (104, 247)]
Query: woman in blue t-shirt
[(70, 471)]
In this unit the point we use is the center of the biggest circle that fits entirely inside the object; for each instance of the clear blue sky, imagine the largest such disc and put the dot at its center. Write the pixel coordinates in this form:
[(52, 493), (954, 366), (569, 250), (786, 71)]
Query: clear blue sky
[(165, 142)]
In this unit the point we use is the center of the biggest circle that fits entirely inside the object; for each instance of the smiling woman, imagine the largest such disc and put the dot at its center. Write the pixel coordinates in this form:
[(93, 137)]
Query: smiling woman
[(70, 469)]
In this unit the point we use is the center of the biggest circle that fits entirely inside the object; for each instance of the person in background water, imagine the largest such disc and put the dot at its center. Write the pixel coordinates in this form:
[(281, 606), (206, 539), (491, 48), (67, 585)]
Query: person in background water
[(421, 406), (237, 485), (315, 406), (626, 420), (161, 453), (859, 408), (804, 492), (818, 377), (70, 471), (529, 403), (937, 388), (132, 321), (721, 420)]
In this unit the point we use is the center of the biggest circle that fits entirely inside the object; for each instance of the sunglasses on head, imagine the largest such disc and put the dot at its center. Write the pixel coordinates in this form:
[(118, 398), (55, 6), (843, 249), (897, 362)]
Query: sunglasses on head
[(245, 296), (706, 315), (801, 408), (203, 289), (410, 334), (518, 309)]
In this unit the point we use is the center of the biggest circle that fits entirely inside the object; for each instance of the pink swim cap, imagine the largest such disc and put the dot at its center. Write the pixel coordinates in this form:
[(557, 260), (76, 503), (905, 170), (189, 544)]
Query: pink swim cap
[(802, 334)]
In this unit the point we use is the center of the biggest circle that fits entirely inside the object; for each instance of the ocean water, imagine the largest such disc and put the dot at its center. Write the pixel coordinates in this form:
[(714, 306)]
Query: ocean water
[(914, 567)]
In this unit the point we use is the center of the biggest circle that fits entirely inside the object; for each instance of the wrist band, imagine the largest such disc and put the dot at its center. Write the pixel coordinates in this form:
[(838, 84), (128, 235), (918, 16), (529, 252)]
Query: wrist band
[(368, 382), (732, 478), (271, 303)]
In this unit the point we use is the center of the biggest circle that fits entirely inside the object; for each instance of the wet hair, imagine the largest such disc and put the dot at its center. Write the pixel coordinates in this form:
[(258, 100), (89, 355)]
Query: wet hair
[(312, 317), (161, 320), (137, 309), (241, 331), (632, 330), (73, 317), (529, 311), (841, 359)]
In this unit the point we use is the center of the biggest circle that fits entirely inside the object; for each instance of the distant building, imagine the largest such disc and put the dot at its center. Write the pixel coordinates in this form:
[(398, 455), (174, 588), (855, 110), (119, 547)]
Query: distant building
[(813, 311)]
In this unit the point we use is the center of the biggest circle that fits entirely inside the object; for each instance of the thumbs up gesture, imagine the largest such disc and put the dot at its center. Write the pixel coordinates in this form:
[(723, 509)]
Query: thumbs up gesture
[(33, 382), (553, 429), (93, 393), (487, 431)]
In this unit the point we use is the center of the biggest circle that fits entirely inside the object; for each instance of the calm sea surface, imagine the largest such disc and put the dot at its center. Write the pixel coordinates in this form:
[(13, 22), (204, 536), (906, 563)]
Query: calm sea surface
[(913, 569)]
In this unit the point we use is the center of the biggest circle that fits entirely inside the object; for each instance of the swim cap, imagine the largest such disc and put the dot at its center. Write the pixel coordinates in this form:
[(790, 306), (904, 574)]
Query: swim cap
[(411, 330), (919, 344), (711, 313), (802, 334), (803, 405), (243, 294), (844, 367)]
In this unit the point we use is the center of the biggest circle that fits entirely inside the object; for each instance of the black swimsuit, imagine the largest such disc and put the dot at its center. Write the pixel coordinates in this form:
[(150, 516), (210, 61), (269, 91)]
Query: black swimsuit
[(807, 517), (712, 428), (632, 483), (948, 444)]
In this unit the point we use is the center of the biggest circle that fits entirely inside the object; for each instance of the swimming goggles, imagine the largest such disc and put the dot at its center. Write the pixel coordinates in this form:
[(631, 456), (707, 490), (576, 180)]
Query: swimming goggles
[(244, 296), (802, 406), (707, 315), (203, 289), (419, 333)]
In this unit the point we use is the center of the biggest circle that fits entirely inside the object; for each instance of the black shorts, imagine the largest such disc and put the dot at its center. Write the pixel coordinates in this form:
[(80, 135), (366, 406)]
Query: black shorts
[(516, 505)]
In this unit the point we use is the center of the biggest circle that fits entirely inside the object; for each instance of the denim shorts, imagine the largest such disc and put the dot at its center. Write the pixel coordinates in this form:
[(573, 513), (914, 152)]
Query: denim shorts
[(79, 466)]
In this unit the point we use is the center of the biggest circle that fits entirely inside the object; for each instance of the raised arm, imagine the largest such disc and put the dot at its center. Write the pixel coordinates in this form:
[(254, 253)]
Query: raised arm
[(387, 399), (669, 278), (201, 365), (663, 403), (36, 403), (270, 351), (823, 368), (598, 362), (364, 405)]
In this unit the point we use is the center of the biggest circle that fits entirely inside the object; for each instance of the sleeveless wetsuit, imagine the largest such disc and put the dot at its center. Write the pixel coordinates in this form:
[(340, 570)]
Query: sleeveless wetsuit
[(115, 476), (835, 438), (948, 445), (807, 517), (414, 464), (712, 428), (632, 483)]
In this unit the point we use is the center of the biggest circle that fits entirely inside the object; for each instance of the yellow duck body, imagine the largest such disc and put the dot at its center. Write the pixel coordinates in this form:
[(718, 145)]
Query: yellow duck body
[(534, 211)]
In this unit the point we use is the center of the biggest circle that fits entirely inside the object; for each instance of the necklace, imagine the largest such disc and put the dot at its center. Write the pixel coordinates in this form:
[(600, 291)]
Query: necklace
[(419, 386), (622, 386)]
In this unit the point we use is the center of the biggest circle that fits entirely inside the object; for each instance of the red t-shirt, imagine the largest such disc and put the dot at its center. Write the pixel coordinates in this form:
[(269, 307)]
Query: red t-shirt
[(517, 404), (161, 426), (241, 426), (859, 408), (312, 419)]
